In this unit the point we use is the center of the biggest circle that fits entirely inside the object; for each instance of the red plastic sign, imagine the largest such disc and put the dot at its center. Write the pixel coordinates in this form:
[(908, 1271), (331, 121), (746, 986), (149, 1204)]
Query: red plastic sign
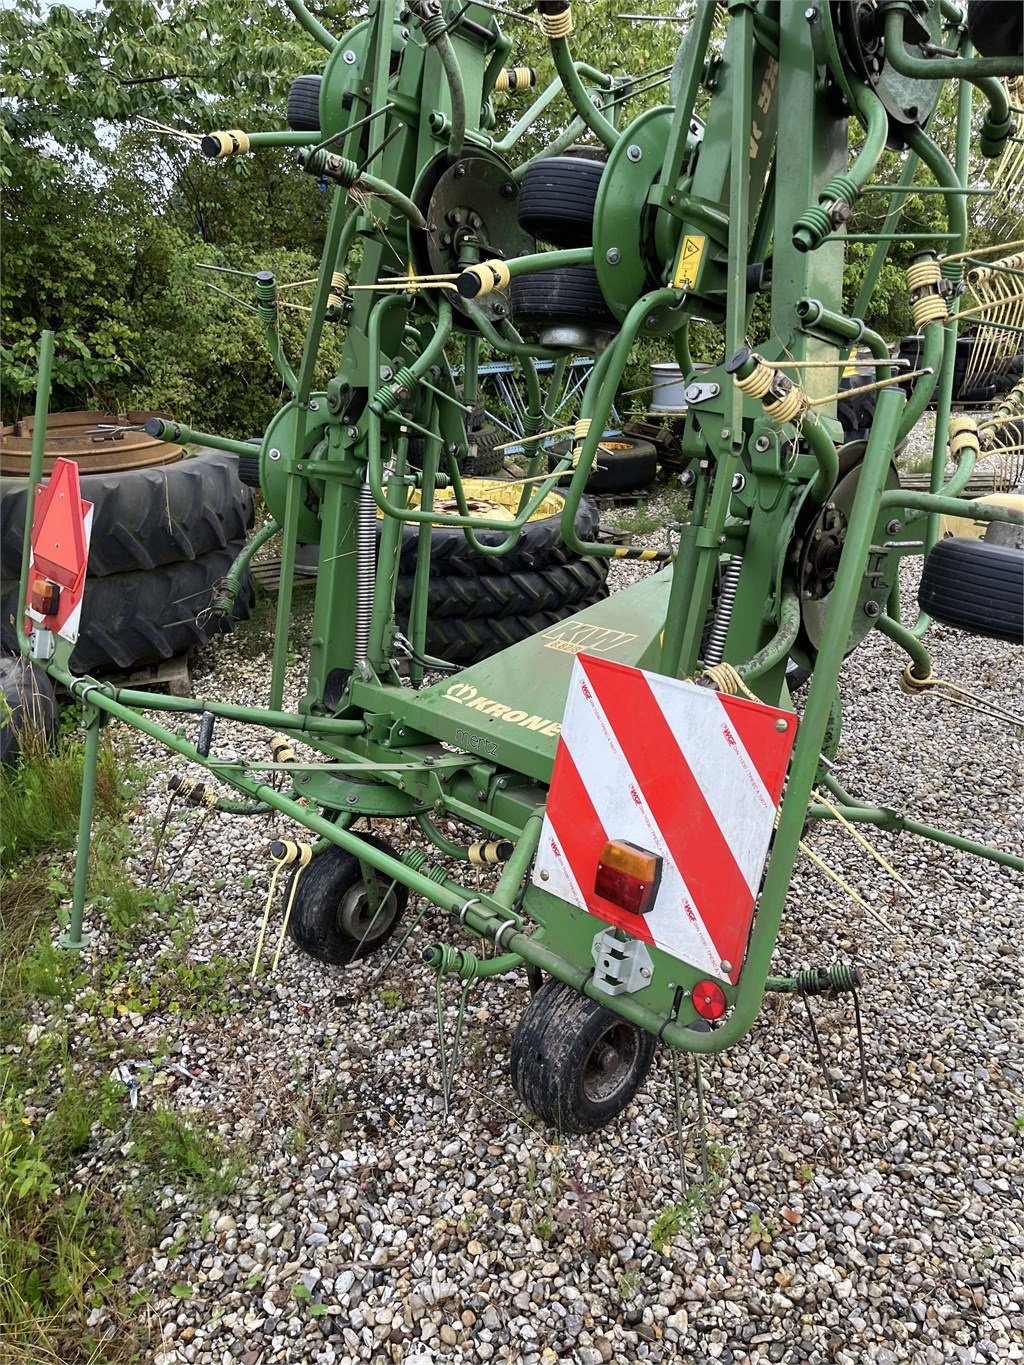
[(688, 774), (61, 528)]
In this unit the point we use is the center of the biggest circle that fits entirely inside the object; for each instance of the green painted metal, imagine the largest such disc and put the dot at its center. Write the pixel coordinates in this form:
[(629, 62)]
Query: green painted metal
[(752, 155)]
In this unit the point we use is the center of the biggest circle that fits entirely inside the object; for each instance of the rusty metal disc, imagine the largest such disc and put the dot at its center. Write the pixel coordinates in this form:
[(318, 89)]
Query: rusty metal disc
[(98, 442)]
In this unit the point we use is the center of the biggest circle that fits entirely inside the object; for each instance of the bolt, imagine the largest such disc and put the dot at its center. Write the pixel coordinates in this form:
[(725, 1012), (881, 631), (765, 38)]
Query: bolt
[(314, 406), (352, 799), (738, 483), (726, 433), (405, 33), (348, 57), (762, 443), (893, 527), (455, 216), (693, 393), (273, 453), (645, 971), (386, 372), (687, 478), (481, 795), (613, 255), (781, 725), (651, 322), (352, 432), (714, 390), (502, 783), (507, 190), (721, 540), (672, 199), (871, 608), (725, 966), (810, 15), (544, 874), (460, 171), (634, 153)]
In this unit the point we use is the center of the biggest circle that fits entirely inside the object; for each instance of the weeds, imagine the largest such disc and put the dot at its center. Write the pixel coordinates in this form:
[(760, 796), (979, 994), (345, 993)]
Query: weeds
[(686, 1215)]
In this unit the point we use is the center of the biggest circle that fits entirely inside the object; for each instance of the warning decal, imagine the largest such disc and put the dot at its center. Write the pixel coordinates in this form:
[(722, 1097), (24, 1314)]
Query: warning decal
[(680, 771), (691, 253)]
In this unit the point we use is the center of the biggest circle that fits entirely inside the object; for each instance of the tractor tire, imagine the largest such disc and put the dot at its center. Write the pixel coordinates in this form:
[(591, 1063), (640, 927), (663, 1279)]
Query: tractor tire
[(562, 297), (575, 1064), (540, 546), (498, 596), (467, 642), (29, 716), (145, 518), (303, 112), (976, 586), (143, 616), (622, 465), (996, 28), (556, 200)]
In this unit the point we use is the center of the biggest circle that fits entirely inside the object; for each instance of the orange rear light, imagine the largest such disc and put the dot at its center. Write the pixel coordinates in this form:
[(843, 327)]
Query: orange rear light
[(628, 876), (44, 597)]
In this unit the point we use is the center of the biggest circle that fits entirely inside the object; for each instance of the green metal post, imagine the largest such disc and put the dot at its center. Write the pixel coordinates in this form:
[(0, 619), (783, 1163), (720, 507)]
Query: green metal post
[(43, 376), (76, 938)]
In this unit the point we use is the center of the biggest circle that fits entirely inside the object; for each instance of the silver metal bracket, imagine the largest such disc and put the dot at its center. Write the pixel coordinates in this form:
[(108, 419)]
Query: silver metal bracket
[(42, 644), (620, 966), (701, 393)]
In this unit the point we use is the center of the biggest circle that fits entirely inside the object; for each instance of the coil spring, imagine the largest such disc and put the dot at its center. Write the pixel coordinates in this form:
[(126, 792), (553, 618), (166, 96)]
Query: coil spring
[(812, 227), (339, 288), (557, 25), (266, 295), (340, 169), (195, 793), (366, 569), (395, 391), (723, 611), (844, 976)]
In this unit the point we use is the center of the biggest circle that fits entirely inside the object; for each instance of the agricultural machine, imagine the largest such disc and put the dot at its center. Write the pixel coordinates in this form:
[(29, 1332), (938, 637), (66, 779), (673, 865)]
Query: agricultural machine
[(637, 772)]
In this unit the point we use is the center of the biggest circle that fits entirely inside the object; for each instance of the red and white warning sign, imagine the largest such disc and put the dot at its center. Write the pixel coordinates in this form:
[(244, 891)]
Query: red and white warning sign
[(61, 530), (687, 774)]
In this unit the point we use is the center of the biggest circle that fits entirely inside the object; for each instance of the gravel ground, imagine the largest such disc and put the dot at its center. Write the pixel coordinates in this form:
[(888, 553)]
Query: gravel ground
[(369, 1226)]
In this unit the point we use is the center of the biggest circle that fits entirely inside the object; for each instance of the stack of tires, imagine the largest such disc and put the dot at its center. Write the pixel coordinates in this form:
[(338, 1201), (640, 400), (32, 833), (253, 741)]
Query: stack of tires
[(998, 377), (163, 539), (479, 604)]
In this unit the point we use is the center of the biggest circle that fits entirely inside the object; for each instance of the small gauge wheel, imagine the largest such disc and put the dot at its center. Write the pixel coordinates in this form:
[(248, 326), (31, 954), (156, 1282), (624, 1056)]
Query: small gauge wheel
[(575, 1064), (332, 917)]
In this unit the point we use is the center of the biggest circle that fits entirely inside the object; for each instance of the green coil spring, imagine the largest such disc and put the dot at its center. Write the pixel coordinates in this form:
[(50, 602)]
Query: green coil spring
[(395, 391)]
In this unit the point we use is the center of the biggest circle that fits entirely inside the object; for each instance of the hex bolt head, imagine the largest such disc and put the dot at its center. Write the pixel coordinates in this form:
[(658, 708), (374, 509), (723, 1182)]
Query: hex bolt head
[(613, 255), (762, 443), (893, 527), (348, 57), (871, 608), (739, 482), (634, 153), (693, 393), (273, 453)]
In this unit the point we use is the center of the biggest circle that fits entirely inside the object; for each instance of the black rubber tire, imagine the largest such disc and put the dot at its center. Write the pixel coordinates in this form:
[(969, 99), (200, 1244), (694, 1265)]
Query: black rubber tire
[(540, 544), (487, 460), (145, 518), (567, 295), (303, 113), (556, 200), (249, 467), (554, 1060), (975, 586), (141, 617), (322, 922), (467, 642), (996, 27), (619, 470), (30, 710), (498, 596)]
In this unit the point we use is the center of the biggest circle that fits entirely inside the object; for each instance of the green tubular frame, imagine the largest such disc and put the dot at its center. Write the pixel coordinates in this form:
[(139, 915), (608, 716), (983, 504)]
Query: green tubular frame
[(757, 483)]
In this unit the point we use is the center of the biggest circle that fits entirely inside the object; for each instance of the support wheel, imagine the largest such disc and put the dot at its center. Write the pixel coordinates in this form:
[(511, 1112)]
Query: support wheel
[(332, 919), (575, 1064)]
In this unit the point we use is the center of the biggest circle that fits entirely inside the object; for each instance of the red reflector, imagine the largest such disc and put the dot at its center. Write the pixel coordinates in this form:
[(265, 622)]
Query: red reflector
[(628, 876), (45, 597), (709, 999)]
